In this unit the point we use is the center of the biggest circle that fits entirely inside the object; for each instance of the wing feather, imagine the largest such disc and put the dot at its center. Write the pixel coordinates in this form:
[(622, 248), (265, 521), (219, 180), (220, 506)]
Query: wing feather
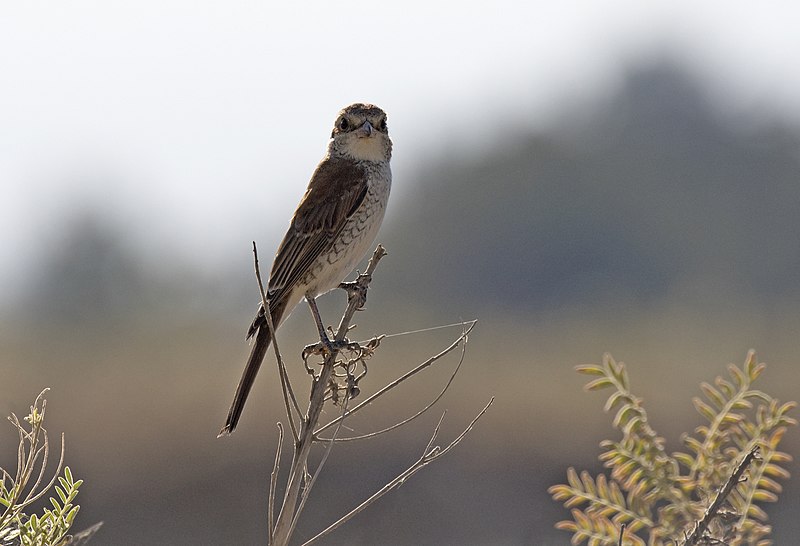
[(336, 190)]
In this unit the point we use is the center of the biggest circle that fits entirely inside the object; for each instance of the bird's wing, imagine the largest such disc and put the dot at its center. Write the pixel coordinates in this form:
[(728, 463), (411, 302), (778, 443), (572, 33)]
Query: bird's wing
[(335, 192)]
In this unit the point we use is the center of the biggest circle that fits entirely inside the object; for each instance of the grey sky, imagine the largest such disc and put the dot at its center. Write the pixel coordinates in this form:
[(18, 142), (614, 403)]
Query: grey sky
[(198, 123)]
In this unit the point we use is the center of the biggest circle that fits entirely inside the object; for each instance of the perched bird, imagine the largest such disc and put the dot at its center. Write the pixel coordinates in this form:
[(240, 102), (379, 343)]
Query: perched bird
[(332, 229)]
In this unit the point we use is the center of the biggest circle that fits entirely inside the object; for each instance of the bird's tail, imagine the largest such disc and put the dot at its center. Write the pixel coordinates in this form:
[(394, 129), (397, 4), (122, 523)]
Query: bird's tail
[(263, 339)]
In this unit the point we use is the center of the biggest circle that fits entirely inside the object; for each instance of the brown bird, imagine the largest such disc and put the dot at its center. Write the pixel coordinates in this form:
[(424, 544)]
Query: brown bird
[(332, 229)]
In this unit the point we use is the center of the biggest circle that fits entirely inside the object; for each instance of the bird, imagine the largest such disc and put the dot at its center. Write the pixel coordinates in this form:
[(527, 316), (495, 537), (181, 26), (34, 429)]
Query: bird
[(333, 228)]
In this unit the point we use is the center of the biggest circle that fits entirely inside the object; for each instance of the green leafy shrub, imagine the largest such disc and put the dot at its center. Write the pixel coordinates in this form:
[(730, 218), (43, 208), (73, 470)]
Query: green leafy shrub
[(26, 486), (659, 497)]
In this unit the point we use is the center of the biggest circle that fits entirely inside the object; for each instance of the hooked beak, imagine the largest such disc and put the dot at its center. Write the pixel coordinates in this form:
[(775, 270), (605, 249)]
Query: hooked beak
[(365, 130)]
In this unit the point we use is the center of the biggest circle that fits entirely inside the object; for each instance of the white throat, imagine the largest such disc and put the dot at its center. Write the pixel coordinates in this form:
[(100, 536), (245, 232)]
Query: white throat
[(363, 149)]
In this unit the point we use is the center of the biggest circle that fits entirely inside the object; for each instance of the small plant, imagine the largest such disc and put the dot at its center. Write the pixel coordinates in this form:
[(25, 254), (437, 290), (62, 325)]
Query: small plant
[(26, 486), (696, 497)]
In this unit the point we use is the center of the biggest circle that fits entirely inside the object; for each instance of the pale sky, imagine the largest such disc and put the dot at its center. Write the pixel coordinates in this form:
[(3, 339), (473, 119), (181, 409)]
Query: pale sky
[(197, 124)]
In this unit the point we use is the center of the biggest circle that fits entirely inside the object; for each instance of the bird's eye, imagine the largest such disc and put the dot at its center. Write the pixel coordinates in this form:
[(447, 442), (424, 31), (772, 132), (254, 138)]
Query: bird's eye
[(343, 124), (382, 125)]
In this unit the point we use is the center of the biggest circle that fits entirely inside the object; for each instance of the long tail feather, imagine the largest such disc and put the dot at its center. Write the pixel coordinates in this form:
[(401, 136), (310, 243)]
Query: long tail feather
[(263, 339)]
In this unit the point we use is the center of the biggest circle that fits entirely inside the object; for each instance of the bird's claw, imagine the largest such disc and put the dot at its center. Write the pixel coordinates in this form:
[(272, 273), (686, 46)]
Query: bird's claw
[(326, 346)]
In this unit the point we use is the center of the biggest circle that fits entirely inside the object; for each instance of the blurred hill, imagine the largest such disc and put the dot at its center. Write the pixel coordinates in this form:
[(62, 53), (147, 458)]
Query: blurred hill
[(653, 192), (653, 225)]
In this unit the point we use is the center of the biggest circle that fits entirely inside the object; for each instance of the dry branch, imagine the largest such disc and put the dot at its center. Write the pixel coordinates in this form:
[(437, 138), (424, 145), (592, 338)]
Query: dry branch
[(286, 386), (698, 532), (325, 384), (429, 454), (273, 480), (302, 448), (404, 377)]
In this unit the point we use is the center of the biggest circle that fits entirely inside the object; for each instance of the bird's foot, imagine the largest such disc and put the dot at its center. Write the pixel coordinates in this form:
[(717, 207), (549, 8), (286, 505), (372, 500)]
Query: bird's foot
[(327, 346)]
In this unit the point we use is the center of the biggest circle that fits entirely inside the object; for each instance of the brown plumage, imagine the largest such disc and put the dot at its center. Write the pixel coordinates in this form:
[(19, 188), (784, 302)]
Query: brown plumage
[(331, 230)]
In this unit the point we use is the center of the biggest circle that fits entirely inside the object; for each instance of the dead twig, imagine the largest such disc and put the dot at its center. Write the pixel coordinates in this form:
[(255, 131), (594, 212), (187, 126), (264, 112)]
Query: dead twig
[(38, 446), (297, 473), (463, 337), (79, 539), (273, 480), (286, 386), (701, 526), (310, 483), (402, 378), (430, 453), (343, 364)]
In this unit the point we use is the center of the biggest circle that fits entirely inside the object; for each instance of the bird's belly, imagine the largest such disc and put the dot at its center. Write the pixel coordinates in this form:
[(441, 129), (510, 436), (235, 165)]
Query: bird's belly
[(350, 246)]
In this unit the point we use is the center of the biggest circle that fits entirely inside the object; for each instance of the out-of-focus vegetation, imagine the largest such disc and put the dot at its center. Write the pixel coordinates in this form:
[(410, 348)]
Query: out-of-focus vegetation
[(653, 226), (653, 196)]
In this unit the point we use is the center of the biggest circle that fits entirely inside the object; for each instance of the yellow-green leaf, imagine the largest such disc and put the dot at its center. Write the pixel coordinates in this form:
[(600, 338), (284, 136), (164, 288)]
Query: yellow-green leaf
[(713, 395), (590, 369), (738, 376), (704, 409), (599, 383), (765, 496), (776, 471)]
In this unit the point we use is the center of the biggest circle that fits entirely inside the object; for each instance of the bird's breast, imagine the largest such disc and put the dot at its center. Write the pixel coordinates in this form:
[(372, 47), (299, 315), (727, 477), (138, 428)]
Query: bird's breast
[(356, 237)]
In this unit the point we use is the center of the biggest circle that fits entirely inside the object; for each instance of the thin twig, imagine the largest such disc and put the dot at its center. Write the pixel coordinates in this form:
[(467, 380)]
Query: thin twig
[(285, 383), (55, 474), (34, 452), (286, 386), (420, 412), (403, 377), (303, 445), (701, 526), (429, 448), (310, 484), (621, 533), (29, 463), (430, 328), (27, 460), (81, 538), (273, 480), (430, 454)]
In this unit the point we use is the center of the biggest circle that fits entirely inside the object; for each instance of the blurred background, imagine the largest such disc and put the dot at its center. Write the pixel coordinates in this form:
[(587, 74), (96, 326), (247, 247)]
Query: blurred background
[(581, 177)]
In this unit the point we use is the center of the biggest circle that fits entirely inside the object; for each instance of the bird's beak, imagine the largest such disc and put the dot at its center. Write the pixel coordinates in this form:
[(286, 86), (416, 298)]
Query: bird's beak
[(365, 130)]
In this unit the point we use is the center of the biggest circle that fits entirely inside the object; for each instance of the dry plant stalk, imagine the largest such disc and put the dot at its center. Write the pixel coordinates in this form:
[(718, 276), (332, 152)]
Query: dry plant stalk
[(33, 451), (697, 536), (339, 374), (52, 526)]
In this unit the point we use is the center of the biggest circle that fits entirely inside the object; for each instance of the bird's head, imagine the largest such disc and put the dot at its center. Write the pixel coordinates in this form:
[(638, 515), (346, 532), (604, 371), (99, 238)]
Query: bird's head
[(360, 133)]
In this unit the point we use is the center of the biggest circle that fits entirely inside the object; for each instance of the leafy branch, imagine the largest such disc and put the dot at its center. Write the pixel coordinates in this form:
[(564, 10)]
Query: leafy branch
[(18, 493), (663, 498)]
